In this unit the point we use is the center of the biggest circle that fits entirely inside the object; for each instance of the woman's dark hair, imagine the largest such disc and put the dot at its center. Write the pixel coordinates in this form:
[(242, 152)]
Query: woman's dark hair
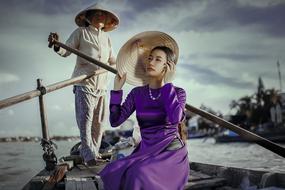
[(183, 131), (170, 55)]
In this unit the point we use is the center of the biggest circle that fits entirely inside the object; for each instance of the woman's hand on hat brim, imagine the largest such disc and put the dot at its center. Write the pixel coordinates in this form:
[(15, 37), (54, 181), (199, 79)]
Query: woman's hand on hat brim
[(170, 71), (170, 66), (119, 81)]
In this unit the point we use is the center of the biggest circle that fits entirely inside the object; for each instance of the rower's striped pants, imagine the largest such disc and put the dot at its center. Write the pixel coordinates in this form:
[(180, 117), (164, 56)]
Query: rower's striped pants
[(90, 113)]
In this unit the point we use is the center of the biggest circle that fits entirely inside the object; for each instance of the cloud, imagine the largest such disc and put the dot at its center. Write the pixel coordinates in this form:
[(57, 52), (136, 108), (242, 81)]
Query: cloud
[(211, 77), (8, 78), (239, 56), (219, 15), (46, 6), (265, 17), (224, 47), (200, 93), (201, 16)]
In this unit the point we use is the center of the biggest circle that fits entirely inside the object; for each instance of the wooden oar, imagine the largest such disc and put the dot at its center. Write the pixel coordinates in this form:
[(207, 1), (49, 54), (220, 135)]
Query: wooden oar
[(249, 136), (56, 177), (80, 54)]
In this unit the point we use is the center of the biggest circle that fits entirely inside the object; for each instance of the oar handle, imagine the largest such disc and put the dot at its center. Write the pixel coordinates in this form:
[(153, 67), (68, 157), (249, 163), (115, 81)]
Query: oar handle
[(88, 58), (50, 44), (52, 39)]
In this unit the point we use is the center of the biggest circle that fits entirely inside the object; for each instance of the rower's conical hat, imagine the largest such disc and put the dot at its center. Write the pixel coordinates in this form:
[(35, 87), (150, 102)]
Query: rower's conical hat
[(135, 52), (112, 20)]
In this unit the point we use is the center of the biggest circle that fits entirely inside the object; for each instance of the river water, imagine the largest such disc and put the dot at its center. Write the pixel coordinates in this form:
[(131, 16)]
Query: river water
[(21, 161)]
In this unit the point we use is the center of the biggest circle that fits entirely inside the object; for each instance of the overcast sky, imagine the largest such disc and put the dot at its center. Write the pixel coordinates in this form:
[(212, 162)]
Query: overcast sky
[(225, 45)]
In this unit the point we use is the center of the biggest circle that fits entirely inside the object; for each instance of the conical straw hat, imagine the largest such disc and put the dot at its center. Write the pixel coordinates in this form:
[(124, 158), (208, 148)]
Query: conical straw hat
[(112, 20), (135, 52)]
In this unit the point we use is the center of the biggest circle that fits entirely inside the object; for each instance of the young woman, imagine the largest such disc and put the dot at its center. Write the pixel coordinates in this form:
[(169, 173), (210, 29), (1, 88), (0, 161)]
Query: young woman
[(160, 161)]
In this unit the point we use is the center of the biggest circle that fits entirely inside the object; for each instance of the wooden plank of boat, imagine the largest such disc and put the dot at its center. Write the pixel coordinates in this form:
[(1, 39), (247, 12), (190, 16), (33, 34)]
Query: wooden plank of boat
[(197, 175), (38, 181), (202, 176), (56, 177), (205, 183), (237, 177), (80, 184), (81, 171), (83, 177), (197, 180)]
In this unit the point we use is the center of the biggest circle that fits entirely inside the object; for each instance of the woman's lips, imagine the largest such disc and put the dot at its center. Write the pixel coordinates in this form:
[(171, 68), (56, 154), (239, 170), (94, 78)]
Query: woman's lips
[(150, 69)]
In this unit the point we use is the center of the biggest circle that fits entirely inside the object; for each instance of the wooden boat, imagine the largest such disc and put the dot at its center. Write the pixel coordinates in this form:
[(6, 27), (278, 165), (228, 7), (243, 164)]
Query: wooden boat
[(72, 174), (202, 176)]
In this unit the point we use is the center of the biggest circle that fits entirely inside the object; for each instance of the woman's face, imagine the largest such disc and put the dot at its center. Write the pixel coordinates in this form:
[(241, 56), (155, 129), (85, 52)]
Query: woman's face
[(156, 64)]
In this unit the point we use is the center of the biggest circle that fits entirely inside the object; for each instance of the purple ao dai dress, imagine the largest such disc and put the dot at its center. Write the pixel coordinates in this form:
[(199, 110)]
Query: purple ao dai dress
[(151, 166)]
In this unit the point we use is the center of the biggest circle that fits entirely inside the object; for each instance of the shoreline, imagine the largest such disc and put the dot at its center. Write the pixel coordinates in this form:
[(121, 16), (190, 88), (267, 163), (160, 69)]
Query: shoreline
[(37, 139)]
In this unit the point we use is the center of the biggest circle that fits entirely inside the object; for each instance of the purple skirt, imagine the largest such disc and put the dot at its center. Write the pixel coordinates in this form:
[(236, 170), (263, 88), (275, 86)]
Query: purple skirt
[(149, 167)]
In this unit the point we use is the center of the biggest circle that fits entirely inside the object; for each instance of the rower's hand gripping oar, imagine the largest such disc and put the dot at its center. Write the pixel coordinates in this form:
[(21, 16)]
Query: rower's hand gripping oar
[(53, 41), (53, 36)]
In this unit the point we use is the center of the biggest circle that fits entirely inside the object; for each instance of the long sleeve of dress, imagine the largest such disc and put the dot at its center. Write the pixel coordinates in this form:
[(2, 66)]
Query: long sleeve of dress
[(174, 102), (119, 113)]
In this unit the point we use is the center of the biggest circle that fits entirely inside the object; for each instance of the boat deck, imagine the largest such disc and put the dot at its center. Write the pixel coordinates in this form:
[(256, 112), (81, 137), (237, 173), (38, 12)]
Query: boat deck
[(202, 176)]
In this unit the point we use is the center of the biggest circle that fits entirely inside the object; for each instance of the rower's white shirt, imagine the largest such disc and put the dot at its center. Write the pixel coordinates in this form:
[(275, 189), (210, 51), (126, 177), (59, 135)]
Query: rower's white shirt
[(96, 44)]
